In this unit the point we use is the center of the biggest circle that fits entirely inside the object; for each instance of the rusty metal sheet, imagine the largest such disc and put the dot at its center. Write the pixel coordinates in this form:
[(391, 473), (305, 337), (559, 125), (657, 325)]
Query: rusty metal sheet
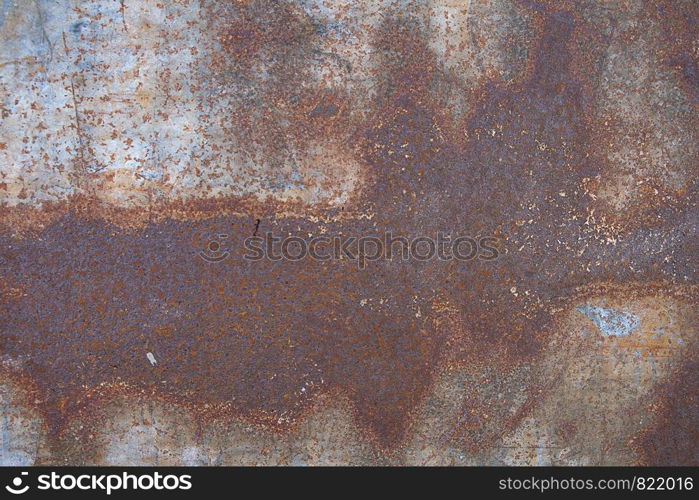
[(170, 170)]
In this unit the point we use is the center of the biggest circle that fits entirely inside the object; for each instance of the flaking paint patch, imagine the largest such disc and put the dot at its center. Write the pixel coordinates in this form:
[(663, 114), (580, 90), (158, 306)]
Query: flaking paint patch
[(22, 430), (646, 123), (146, 433), (116, 106), (477, 40), (38, 145)]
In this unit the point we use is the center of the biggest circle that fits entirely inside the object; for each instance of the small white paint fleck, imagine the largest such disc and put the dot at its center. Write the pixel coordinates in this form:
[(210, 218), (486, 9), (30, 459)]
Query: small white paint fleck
[(151, 358)]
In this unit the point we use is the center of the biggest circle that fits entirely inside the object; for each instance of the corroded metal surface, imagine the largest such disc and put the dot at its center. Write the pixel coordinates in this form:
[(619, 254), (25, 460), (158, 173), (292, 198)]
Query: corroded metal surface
[(134, 133)]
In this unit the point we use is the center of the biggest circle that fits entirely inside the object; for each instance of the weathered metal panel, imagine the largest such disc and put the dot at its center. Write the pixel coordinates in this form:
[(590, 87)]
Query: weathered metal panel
[(143, 143)]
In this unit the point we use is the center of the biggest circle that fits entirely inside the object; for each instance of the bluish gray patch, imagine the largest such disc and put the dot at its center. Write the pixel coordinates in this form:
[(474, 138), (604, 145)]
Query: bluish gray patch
[(77, 27), (151, 175), (611, 323), (9, 456), (3, 12)]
